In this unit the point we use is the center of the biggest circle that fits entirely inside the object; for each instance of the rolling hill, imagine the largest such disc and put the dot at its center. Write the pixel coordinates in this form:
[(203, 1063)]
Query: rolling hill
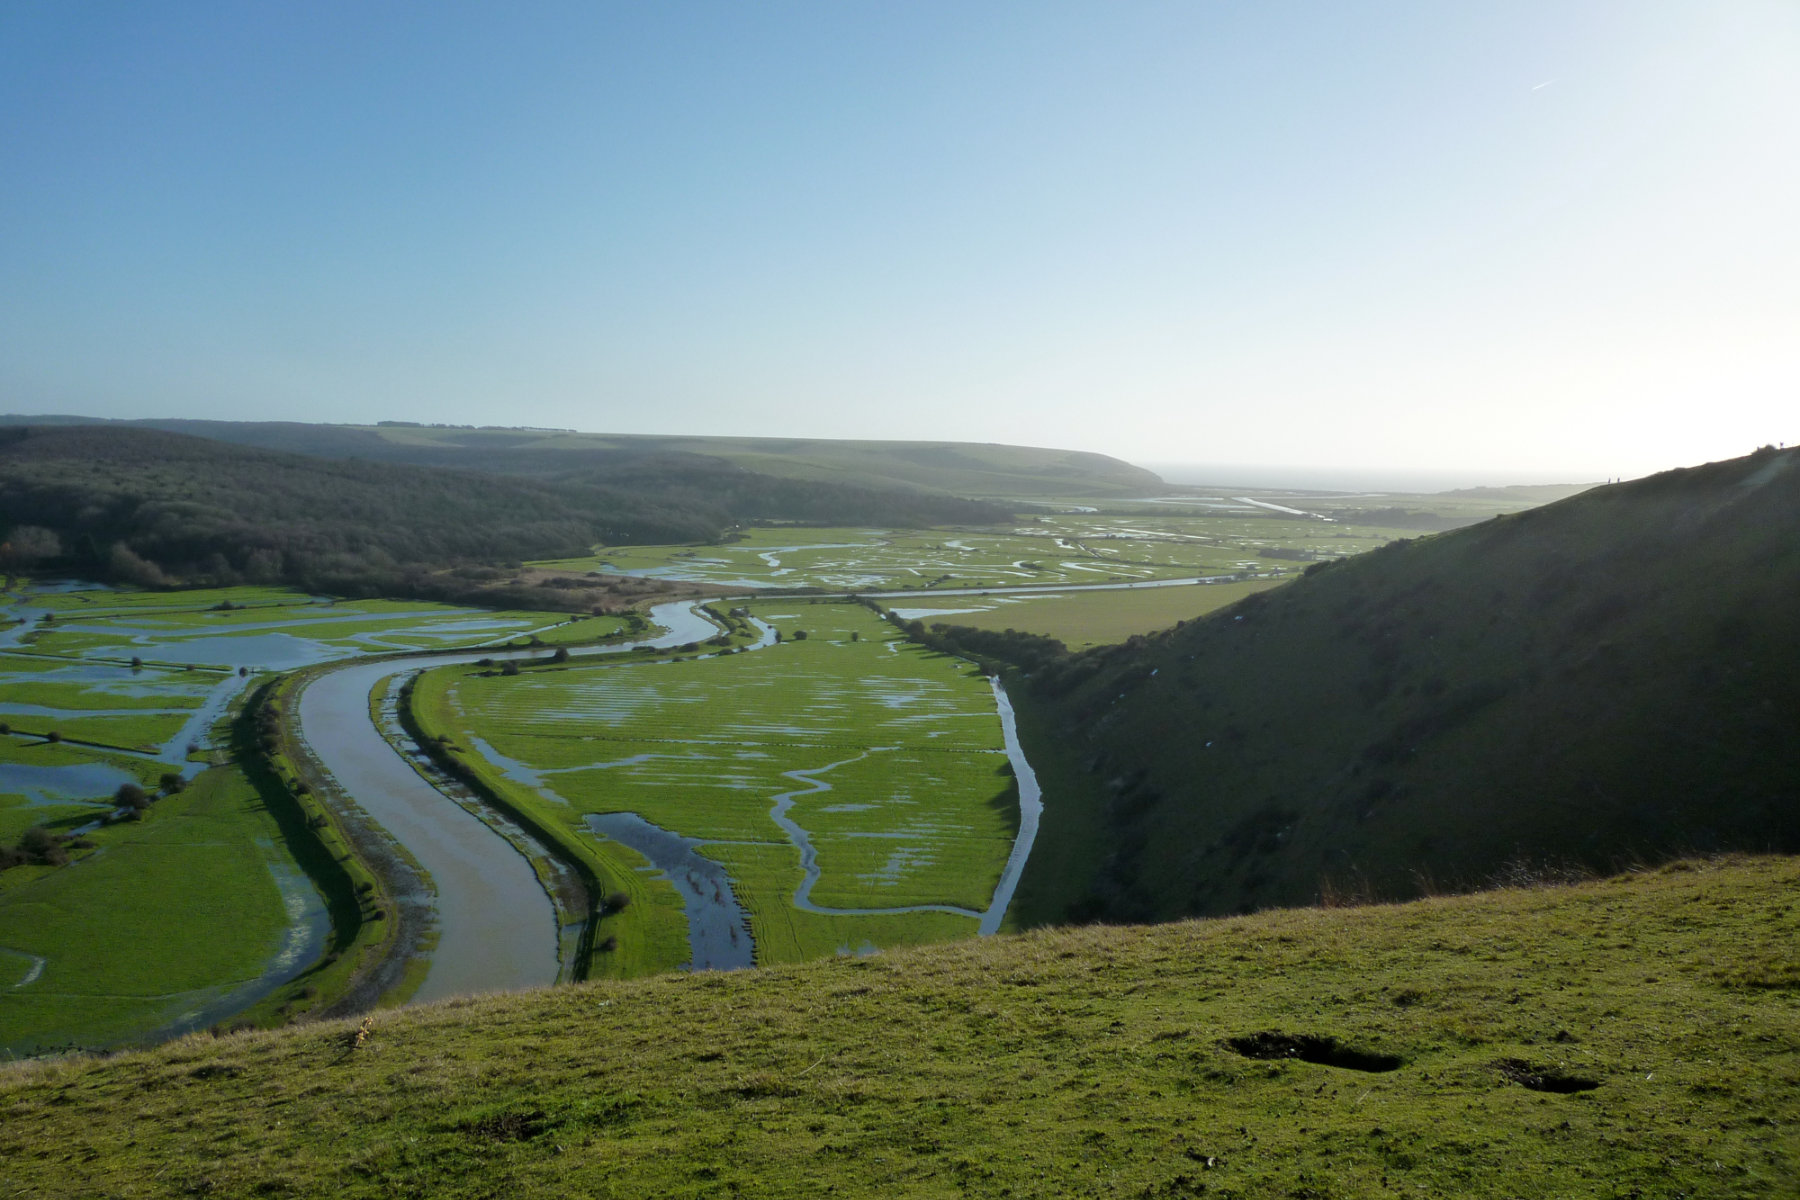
[(1609, 678), (1633, 1036), (198, 509), (968, 469)]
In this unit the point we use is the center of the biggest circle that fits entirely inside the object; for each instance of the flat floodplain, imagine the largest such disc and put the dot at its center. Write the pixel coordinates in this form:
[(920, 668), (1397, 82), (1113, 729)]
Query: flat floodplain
[(176, 913), (1081, 619), (888, 758), (1062, 549), (161, 920), (304, 631)]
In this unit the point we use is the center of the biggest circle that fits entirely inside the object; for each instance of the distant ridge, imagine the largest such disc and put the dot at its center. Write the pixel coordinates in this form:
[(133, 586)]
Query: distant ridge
[(973, 469), (1611, 677), (124, 501)]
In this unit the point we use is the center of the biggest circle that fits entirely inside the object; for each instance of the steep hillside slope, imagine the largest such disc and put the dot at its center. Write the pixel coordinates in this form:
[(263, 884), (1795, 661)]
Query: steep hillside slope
[(1613, 676), (1630, 1037)]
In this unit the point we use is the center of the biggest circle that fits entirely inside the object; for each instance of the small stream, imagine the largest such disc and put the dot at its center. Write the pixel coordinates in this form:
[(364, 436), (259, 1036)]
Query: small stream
[(715, 917)]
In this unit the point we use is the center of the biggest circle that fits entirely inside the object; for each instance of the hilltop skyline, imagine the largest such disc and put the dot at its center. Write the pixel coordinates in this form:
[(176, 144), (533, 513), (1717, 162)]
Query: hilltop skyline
[(1517, 243)]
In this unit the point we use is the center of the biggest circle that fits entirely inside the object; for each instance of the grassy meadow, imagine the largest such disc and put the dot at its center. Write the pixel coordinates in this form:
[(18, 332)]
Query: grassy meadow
[(1083, 619), (301, 629), (163, 917), (159, 918), (1064, 549), (1632, 1036), (919, 809)]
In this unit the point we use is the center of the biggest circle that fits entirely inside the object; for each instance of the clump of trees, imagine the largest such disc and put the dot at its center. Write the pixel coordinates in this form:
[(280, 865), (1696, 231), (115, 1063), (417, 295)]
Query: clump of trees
[(39, 845)]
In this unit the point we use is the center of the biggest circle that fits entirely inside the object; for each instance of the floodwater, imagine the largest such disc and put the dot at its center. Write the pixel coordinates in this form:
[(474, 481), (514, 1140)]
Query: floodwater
[(302, 941), (715, 917), (1031, 808), (809, 858), (71, 782), (718, 927), (496, 926)]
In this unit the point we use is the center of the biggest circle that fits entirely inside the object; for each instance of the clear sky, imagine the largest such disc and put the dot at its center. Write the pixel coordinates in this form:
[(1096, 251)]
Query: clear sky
[(1541, 240)]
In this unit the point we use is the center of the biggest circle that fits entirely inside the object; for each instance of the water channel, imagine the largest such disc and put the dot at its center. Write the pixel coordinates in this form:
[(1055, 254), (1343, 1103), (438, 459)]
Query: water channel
[(496, 927)]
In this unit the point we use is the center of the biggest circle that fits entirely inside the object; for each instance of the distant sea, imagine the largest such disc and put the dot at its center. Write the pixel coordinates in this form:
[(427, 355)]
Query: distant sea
[(1342, 479)]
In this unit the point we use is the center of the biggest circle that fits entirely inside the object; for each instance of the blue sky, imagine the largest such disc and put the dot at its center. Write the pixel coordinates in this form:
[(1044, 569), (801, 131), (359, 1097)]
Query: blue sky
[(1526, 240)]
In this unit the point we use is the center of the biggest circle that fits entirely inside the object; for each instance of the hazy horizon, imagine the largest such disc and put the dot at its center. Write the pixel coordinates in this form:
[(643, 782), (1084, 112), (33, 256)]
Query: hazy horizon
[(1347, 478), (1513, 241)]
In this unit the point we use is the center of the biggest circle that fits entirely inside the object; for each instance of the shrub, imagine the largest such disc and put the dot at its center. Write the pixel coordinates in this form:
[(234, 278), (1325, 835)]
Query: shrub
[(617, 901), (171, 782), (509, 667), (130, 795), (39, 845)]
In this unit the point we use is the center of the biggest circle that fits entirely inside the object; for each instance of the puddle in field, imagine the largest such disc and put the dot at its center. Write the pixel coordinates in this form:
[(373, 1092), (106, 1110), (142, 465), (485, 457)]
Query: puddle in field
[(270, 651), (302, 941), (93, 782), (13, 708), (511, 768), (718, 928), (809, 857)]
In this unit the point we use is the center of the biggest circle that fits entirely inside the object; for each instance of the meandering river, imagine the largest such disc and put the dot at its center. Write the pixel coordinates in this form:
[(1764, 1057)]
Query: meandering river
[(496, 927)]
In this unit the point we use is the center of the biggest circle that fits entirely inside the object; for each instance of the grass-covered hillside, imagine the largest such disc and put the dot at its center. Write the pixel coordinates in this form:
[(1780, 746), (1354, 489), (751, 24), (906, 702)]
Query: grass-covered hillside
[(1634, 1037), (1612, 677), (947, 468)]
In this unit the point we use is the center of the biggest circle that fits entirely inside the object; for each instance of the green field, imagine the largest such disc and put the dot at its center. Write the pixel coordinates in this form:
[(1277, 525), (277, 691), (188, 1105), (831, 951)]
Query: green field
[(309, 630), (920, 810), (168, 914), (1630, 1037), (1056, 549), (164, 916), (956, 468), (1082, 619)]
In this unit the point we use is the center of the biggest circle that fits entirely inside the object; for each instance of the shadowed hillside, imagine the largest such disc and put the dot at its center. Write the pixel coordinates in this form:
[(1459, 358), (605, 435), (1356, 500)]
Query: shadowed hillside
[(1613, 676)]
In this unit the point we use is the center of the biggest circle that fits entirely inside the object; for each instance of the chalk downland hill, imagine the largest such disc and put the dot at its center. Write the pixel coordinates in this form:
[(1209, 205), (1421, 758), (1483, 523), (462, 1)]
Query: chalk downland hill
[(981, 469), (1611, 678), (1628, 1037)]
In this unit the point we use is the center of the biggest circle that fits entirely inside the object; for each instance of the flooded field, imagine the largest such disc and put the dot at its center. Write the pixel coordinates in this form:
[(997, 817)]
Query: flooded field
[(842, 788), (102, 688), (1057, 549)]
